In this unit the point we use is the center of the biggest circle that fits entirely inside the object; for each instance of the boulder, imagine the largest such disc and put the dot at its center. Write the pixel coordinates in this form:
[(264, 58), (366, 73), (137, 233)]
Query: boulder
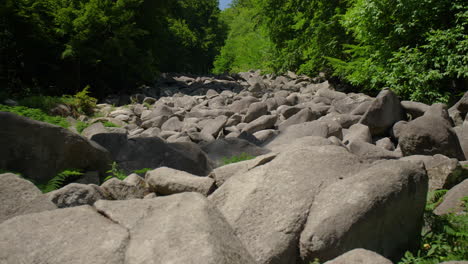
[(167, 181), (452, 202), (40, 150), (305, 115), (345, 120), (414, 109), (357, 132), (241, 106), (76, 194), (133, 187), (261, 123), (20, 197), (383, 113), (317, 128), (359, 256), (72, 235), (347, 104), (370, 152), (267, 206), (143, 152), (385, 143), (459, 110), (255, 111), (173, 124), (462, 134), (213, 126), (431, 134), (179, 229), (228, 147), (223, 173), (371, 206), (443, 172)]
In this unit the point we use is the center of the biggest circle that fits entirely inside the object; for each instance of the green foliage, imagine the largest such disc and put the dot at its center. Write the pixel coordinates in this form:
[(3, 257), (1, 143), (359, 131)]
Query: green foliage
[(83, 102), (417, 48), (142, 171), (248, 45), (80, 126), (58, 181), (109, 124), (444, 238), (239, 158), (35, 114), (58, 46), (116, 172)]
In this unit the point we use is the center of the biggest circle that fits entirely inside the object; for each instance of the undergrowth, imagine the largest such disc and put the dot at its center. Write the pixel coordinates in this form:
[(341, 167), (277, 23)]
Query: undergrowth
[(444, 237), (35, 114), (239, 158), (115, 172), (58, 181)]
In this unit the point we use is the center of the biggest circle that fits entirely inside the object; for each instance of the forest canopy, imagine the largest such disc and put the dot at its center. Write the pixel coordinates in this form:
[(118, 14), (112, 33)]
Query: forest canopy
[(60, 46), (417, 48)]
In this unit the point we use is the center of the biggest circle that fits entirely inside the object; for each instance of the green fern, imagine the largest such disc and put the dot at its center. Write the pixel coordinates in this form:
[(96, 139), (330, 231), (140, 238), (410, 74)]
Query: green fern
[(115, 172), (57, 182)]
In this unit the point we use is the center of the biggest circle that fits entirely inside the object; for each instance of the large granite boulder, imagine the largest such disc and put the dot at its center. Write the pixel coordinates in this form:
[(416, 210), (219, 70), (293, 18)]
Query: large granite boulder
[(178, 229), (20, 196), (383, 113), (72, 235), (379, 209), (153, 152), (268, 205), (168, 181), (40, 150), (431, 134)]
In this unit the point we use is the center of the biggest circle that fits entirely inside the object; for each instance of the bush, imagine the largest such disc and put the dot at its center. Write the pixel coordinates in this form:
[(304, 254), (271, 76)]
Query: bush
[(234, 159), (142, 172), (36, 114)]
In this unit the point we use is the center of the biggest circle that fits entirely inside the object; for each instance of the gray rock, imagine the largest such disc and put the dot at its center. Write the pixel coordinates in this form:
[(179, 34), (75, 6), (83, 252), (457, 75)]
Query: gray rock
[(241, 106), (173, 124), (20, 196), (349, 103), (157, 121), (383, 113), (317, 128), (73, 235), (76, 194), (266, 135), (167, 181), (398, 129), (345, 120), (29, 146), (142, 152), (305, 115), (261, 123), (415, 109), (330, 94), (362, 108), (214, 126), (452, 202), (443, 172), (223, 173), (431, 134), (268, 205), (358, 132), (370, 152), (462, 134), (181, 228), (359, 256), (288, 111), (459, 110), (126, 189), (159, 110), (255, 111), (385, 143), (389, 196)]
